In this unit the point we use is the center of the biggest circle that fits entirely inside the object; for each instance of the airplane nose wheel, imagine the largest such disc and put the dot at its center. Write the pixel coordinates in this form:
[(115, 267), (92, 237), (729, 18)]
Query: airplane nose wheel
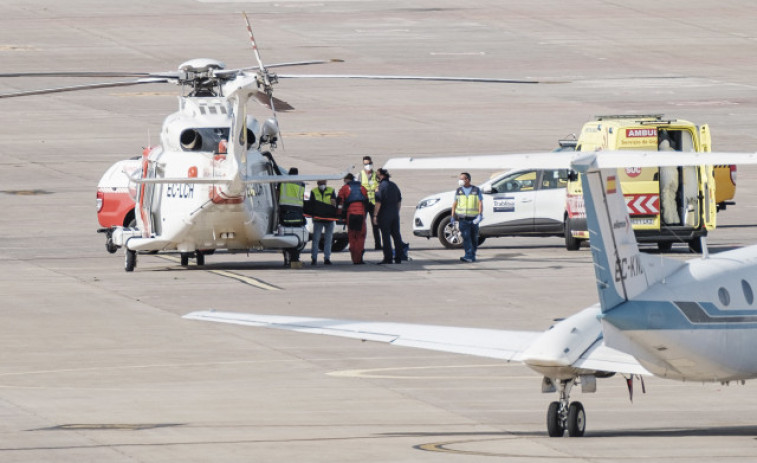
[(562, 414)]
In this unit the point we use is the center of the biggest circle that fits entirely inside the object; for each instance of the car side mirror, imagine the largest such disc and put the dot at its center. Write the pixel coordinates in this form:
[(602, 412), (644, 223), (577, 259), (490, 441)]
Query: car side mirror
[(487, 189)]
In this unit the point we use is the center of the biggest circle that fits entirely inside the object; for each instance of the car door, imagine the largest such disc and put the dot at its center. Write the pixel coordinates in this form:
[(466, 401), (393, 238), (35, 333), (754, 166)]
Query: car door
[(549, 206), (509, 204)]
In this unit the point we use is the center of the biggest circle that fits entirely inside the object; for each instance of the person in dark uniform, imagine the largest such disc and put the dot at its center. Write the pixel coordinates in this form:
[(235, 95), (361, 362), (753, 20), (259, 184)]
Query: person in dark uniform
[(387, 217)]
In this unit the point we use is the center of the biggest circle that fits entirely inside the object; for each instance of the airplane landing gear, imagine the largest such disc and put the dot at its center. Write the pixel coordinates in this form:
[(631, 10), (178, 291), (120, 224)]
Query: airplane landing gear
[(562, 414)]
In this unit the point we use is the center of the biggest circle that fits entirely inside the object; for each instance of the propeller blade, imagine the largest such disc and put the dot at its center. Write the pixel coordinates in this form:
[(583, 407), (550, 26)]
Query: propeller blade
[(420, 78), (74, 88)]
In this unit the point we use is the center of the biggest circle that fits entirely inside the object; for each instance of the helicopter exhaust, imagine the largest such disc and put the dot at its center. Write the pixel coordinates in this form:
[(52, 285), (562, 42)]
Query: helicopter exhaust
[(191, 140)]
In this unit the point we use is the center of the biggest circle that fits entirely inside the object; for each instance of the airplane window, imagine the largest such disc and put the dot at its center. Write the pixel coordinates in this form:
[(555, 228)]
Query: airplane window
[(724, 297), (748, 294)]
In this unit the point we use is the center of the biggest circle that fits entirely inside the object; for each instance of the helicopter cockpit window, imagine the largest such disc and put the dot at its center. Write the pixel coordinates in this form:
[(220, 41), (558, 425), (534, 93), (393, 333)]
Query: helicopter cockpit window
[(203, 139), (520, 181)]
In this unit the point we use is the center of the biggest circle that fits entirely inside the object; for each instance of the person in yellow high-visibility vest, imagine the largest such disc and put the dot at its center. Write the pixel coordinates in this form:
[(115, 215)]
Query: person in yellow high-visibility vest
[(291, 203), (466, 210), (322, 204)]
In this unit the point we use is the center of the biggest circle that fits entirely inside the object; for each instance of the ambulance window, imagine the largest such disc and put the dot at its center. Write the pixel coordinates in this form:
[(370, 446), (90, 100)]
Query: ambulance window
[(748, 294), (724, 297)]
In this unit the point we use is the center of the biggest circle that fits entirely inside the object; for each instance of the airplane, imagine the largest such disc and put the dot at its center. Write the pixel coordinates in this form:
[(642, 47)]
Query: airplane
[(210, 184), (686, 321)]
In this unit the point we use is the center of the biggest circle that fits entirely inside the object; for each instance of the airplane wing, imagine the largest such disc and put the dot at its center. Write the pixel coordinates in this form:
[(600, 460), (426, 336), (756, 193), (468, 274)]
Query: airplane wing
[(497, 344), (599, 357), (294, 178), (182, 180), (562, 160), (550, 160)]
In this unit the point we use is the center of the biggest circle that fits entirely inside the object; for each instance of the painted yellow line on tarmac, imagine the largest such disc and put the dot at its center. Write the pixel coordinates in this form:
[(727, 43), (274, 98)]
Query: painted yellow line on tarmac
[(234, 276)]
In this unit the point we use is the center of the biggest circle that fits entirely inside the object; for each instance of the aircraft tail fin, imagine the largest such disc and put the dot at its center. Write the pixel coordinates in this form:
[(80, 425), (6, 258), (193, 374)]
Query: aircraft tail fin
[(622, 272)]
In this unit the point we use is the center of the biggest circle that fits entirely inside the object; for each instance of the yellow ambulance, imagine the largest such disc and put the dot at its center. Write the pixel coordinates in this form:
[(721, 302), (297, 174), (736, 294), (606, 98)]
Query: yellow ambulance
[(667, 205)]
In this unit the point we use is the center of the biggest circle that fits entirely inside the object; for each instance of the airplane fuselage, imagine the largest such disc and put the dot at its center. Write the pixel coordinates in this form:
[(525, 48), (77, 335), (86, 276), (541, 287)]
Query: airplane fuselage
[(698, 324)]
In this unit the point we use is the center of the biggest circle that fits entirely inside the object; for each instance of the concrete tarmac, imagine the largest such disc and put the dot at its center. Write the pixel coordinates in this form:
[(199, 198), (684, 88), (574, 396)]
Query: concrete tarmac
[(98, 365)]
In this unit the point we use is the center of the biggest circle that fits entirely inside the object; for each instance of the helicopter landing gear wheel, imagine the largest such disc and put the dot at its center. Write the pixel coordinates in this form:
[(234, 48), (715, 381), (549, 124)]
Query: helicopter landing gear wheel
[(109, 246), (185, 258), (554, 423), (200, 256), (576, 420), (130, 260)]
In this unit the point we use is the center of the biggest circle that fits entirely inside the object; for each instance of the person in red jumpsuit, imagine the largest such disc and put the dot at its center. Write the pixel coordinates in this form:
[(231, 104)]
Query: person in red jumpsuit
[(353, 199)]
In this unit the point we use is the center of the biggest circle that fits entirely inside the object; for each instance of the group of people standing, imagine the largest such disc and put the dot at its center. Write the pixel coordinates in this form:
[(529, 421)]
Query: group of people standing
[(380, 199), (373, 196)]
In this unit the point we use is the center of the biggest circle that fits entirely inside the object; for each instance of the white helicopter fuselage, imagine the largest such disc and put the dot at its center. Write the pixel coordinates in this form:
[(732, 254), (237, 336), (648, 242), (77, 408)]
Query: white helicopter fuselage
[(194, 213)]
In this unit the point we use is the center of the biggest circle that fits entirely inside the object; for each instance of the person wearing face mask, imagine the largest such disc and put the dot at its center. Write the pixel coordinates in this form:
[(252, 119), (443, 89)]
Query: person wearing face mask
[(322, 205), (370, 182), (466, 210)]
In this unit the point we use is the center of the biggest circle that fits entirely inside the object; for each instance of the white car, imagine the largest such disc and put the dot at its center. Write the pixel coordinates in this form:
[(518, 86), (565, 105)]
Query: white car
[(522, 202)]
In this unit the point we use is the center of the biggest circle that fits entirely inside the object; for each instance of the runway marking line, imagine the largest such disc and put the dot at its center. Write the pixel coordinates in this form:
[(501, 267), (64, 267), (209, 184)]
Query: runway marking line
[(252, 281)]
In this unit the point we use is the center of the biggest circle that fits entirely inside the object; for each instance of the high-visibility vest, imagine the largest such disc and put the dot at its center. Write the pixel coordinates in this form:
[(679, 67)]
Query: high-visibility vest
[(366, 180), (467, 205), (324, 196), (291, 194)]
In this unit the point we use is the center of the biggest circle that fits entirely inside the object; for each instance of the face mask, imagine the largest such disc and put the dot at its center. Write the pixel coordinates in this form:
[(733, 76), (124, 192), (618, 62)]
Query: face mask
[(461, 182), (368, 167), (321, 187)]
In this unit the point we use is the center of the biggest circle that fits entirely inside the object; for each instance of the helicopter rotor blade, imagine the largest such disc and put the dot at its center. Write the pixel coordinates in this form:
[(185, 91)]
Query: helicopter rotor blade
[(255, 47), (419, 78), (278, 104), (167, 75), (74, 88)]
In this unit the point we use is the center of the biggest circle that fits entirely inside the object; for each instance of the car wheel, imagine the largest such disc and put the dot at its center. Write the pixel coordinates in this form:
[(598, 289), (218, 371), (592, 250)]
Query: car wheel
[(449, 235), (571, 243), (481, 240)]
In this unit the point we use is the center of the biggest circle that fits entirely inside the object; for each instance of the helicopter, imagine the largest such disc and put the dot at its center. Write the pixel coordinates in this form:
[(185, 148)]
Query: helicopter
[(211, 183)]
